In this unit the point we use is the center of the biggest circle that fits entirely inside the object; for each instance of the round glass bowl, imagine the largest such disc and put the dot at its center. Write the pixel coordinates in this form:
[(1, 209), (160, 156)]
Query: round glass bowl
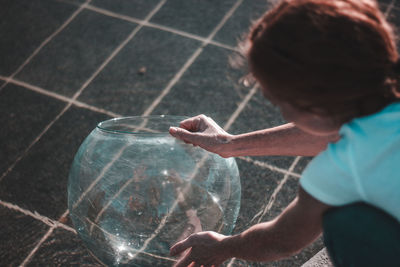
[(134, 191)]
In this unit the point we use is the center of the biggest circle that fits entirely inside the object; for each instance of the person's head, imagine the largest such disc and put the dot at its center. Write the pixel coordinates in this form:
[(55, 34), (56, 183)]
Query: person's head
[(333, 60)]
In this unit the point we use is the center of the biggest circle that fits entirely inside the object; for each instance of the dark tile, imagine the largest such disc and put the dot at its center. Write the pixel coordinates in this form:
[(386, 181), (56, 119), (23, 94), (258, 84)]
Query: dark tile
[(259, 114), (383, 4), (24, 26), (134, 8), (23, 115), (258, 184), (63, 248), (237, 27), (19, 235), (257, 187), (396, 3), (296, 260), (39, 181), (195, 16), (302, 257), (75, 2), (394, 18), (76, 53), (284, 197), (302, 164), (209, 86), (123, 88), (283, 162)]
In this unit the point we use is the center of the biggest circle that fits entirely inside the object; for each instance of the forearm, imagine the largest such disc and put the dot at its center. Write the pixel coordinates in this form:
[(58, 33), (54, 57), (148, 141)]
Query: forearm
[(259, 243), (284, 140), (295, 228)]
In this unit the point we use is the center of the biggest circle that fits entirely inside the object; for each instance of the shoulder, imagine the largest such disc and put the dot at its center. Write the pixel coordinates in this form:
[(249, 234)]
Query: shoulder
[(365, 139), (382, 123)]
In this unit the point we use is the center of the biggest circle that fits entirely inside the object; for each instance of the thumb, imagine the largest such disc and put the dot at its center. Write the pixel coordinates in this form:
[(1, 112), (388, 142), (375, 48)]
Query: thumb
[(182, 134)]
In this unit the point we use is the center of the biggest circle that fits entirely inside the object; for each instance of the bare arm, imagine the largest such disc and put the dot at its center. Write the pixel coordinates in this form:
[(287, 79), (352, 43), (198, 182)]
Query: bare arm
[(296, 227), (284, 140)]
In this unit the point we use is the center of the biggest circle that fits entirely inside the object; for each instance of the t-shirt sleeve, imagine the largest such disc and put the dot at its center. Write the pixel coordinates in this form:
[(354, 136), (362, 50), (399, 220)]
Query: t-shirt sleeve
[(329, 177)]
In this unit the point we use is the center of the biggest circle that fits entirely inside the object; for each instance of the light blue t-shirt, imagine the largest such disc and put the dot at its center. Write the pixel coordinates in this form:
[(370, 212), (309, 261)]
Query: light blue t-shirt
[(364, 165)]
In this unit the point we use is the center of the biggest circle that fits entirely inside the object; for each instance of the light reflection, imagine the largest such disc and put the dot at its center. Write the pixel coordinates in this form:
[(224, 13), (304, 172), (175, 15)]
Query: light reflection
[(121, 248), (215, 198)]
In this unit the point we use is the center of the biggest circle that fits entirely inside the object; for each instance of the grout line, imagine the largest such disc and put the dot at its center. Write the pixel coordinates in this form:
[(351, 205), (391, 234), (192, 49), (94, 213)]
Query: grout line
[(64, 226), (180, 72), (99, 177), (240, 108), (159, 27), (230, 121), (269, 166), (32, 253), (174, 205), (118, 49), (36, 216), (115, 15), (78, 103), (5, 173), (112, 237), (389, 9), (45, 42), (148, 111), (174, 80), (271, 200), (224, 19), (191, 36), (58, 96), (190, 61), (164, 219), (76, 95), (276, 191), (115, 115)]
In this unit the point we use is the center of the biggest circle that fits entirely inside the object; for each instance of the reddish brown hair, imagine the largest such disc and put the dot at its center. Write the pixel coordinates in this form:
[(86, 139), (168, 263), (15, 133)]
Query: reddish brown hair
[(337, 57)]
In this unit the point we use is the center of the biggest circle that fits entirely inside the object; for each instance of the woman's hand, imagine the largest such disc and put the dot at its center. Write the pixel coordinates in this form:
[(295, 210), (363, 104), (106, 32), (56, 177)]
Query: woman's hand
[(203, 249), (204, 132)]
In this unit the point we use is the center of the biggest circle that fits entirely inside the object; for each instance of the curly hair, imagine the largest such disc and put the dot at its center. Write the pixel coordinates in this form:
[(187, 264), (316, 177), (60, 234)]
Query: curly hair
[(337, 58)]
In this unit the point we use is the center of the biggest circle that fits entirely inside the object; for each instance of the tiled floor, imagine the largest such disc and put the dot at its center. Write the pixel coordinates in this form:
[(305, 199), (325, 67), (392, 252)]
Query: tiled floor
[(68, 64)]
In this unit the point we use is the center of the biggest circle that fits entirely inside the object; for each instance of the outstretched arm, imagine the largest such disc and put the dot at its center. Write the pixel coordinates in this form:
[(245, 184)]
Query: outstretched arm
[(284, 140), (296, 227)]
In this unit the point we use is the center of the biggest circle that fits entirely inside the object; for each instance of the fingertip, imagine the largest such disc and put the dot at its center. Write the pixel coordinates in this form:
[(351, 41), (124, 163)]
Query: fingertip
[(174, 250), (173, 130)]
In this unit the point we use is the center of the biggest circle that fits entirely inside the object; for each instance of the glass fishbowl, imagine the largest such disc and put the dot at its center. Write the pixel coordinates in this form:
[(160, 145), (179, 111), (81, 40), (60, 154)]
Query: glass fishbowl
[(134, 191)]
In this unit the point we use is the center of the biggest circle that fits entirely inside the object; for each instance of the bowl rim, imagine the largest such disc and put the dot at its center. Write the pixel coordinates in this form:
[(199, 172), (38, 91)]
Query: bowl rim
[(168, 120)]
